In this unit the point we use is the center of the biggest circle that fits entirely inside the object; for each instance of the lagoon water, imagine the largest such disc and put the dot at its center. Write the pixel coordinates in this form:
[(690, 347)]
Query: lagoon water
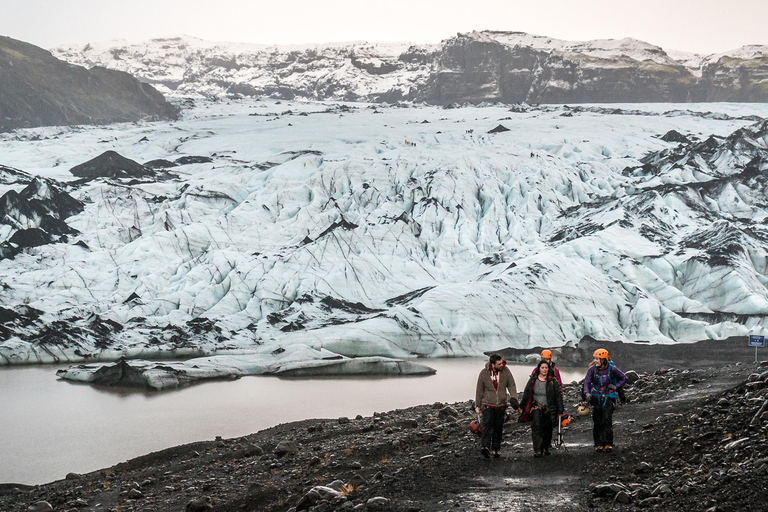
[(52, 427)]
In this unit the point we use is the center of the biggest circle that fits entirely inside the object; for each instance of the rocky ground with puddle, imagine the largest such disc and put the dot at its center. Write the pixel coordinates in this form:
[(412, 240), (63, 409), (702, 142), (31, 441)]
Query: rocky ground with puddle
[(692, 437)]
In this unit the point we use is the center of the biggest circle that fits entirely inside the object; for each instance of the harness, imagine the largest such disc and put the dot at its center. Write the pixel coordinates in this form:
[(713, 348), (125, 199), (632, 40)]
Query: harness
[(599, 380)]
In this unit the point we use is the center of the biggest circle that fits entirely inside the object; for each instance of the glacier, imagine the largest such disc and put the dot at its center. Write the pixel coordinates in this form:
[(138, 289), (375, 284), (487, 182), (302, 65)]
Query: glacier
[(383, 231)]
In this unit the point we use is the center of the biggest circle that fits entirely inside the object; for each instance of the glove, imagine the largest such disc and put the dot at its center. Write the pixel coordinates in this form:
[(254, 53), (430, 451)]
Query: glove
[(514, 403), (612, 387)]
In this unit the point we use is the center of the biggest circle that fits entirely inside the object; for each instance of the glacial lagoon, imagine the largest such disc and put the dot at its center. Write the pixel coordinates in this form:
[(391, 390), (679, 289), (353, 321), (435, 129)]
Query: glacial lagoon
[(52, 427)]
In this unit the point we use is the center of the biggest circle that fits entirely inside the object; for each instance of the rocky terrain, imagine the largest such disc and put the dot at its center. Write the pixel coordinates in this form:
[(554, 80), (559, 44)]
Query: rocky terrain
[(487, 66), (41, 90), (692, 437)]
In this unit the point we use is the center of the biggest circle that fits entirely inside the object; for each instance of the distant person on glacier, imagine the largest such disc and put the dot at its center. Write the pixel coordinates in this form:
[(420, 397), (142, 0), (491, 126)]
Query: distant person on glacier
[(601, 387), (543, 406), (495, 389)]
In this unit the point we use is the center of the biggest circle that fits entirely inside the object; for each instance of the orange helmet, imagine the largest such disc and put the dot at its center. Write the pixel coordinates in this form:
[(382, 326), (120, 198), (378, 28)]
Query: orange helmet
[(601, 353), (565, 421), (546, 354)]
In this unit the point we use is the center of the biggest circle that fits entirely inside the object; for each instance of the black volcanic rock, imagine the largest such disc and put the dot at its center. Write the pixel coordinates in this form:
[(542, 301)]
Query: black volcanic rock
[(674, 136), (111, 164), (194, 159), (475, 67), (733, 79), (499, 129), (36, 89), (160, 163)]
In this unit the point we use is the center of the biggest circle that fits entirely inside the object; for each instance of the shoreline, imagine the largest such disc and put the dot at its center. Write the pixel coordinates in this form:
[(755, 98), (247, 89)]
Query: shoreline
[(423, 457)]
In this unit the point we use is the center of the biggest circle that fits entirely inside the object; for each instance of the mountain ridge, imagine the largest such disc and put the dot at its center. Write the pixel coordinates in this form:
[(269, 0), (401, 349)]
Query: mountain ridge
[(36, 89), (470, 67)]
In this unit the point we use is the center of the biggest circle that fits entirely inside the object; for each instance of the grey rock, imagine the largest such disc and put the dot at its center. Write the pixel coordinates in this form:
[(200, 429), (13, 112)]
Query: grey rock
[(253, 450), (40, 506), (343, 420), (284, 448), (623, 497), (448, 412), (199, 505), (648, 502), (135, 494), (337, 485), (377, 503)]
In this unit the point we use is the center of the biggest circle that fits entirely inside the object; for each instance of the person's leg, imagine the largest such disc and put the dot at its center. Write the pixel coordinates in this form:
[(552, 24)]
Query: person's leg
[(546, 430), (485, 436), (498, 429), (536, 432), (607, 423), (597, 425)]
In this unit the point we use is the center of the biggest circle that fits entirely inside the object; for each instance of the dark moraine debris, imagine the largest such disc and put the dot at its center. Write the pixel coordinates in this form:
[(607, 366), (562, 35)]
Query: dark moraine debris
[(185, 160), (675, 136), (32, 237), (160, 163), (357, 308), (111, 164), (119, 374), (499, 129)]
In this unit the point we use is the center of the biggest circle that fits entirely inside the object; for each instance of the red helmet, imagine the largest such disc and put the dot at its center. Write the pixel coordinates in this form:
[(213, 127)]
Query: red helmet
[(475, 427)]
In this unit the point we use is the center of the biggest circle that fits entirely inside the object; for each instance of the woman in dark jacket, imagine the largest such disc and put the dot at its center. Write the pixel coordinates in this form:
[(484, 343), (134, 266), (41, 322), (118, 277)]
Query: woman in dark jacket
[(542, 404)]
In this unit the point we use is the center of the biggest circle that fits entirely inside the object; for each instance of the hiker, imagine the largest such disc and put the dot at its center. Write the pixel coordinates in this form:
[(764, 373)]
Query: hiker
[(601, 387), (491, 399), (543, 406), (546, 355)]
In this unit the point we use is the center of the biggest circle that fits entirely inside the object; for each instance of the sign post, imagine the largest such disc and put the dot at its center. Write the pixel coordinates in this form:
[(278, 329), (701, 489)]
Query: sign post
[(756, 341)]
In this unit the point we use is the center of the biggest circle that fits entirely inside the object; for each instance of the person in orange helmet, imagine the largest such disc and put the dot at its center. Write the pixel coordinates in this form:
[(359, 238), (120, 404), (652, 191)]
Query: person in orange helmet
[(542, 405), (546, 355), (601, 387)]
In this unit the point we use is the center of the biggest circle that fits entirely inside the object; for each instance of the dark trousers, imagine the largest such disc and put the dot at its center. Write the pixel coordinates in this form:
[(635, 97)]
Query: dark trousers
[(493, 425), (541, 429), (602, 419)]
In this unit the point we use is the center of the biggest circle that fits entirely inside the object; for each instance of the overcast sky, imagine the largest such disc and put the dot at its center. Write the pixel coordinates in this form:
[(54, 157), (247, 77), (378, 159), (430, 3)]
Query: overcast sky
[(702, 26)]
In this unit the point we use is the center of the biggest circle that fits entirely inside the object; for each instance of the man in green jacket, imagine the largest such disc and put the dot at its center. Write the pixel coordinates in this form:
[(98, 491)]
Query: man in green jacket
[(491, 399)]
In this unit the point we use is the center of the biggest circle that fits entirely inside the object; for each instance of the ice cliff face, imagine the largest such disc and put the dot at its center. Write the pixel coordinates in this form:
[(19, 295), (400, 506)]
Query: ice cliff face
[(387, 231), (472, 67)]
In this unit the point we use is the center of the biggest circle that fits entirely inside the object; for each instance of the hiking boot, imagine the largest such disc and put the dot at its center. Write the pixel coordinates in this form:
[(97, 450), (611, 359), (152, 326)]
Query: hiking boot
[(486, 452), (538, 454), (546, 451), (607, 448), (496, 454), (598, 448)]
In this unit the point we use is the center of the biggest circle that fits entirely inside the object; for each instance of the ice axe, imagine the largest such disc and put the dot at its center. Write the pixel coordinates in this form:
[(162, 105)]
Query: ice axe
[(563, 422)]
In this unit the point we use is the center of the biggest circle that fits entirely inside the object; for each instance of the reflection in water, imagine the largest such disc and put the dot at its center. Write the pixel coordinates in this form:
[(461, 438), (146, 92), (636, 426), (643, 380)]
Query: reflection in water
[(52, 427)]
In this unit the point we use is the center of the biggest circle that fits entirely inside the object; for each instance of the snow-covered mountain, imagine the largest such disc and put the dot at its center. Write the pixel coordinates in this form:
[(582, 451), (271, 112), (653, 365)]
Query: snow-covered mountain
[(287, 229), (472, 67)]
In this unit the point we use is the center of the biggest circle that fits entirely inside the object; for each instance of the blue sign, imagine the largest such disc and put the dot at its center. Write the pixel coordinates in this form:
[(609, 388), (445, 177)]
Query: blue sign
[(756, 341)]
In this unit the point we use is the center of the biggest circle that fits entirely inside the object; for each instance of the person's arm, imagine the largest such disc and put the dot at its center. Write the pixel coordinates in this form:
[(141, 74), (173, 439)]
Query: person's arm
[(619, 376), (479, 392), (527, 393), (588, 381), (512, 388), (559, 380), (558, 397)]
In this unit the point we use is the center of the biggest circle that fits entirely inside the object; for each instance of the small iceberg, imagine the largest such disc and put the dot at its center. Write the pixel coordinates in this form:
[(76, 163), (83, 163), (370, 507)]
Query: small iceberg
[(298, 361)]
